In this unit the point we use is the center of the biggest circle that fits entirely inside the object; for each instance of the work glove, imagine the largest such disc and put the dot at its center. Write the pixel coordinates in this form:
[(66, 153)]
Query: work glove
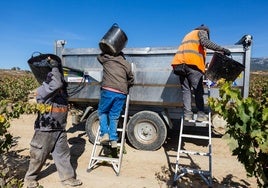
[(54, 79), (49, 77), (226, 51)]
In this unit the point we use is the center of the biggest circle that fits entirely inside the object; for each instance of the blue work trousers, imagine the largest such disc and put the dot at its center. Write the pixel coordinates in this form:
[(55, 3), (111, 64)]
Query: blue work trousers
[(109, 110)]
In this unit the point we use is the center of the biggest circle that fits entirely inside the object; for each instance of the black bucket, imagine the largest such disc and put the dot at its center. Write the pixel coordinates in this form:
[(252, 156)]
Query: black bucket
[(113, 41), (39, 65), (222, 66)]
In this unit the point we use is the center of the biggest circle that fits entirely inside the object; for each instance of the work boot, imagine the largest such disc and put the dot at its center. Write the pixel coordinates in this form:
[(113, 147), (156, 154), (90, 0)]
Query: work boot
[(113, 144), (32, 183), (106, 150), (104, 139), (201, 116), (188, 115), (72, 182)]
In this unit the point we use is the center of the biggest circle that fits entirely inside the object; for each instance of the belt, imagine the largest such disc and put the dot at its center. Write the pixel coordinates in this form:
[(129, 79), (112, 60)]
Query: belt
[(59, 109)]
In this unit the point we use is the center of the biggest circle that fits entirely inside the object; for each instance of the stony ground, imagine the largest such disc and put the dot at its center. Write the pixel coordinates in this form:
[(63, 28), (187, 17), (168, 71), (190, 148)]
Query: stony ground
[(140, 169)]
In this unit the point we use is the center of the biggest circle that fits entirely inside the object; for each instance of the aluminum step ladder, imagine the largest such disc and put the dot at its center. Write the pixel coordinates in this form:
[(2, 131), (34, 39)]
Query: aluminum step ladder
[(98, 154), (180, 169)]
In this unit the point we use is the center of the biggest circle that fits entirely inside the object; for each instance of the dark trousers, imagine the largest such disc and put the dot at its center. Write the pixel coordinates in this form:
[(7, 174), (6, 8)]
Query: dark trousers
[(191, 77), (44, 143)]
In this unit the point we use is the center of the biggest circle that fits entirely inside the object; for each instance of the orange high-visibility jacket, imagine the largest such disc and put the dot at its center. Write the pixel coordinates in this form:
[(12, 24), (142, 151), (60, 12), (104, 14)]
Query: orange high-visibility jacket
[(191, 52)]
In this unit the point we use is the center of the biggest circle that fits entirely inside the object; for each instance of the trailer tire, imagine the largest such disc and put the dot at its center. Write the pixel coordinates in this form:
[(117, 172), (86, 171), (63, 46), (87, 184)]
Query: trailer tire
[(91, 126), (146, 131)]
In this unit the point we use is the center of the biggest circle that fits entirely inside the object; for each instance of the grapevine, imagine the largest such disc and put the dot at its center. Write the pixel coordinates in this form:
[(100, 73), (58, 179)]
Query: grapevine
[(247, 125)]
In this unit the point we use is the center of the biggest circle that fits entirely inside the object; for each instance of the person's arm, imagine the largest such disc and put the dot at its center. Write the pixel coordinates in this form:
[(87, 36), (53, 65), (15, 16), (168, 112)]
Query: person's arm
[(56, 80), (204, 41), (52, 83), (102, 58), (130, 78)]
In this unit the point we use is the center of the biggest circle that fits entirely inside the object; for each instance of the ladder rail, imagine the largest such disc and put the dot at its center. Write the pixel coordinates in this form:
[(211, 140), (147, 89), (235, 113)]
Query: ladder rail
[(210, 182), (179, 147), (123, 134), (116, 162), (210, 148), (93, 153)]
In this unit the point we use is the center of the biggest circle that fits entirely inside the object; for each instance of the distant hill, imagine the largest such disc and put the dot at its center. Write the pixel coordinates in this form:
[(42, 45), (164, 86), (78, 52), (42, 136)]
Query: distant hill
[(259, 64)]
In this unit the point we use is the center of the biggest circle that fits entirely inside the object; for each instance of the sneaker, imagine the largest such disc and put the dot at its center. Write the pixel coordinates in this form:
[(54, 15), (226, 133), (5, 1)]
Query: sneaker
[(32, 183), (188, 116), (113, 144), (104, 139), (201, 116), (72, 182)]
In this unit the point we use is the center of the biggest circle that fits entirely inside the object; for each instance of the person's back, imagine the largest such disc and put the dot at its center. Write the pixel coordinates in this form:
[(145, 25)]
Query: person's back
[(116, 80), (189, 64), (117, 72), (190, 51)]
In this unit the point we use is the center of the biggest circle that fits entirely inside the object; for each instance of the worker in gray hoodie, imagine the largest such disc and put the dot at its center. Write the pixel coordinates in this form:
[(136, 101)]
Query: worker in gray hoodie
[(50, 134)]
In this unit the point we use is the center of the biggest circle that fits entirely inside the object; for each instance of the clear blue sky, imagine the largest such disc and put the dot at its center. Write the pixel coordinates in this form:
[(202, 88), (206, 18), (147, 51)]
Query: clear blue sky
[(33, 25)]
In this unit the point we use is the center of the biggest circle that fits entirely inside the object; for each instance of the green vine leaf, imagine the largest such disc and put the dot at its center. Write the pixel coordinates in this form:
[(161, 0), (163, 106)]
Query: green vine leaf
[(246, 127), (265, 115)]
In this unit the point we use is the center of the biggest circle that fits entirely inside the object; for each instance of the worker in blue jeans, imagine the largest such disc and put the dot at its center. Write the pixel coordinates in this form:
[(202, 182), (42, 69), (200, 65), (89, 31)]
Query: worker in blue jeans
[(116, 81)]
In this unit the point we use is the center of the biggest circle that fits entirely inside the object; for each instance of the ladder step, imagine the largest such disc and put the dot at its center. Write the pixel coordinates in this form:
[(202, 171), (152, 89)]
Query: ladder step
[(195, 136), (196, 123), (108, 159), (195, 171), (107, 144), (194, 153), (120, 129)]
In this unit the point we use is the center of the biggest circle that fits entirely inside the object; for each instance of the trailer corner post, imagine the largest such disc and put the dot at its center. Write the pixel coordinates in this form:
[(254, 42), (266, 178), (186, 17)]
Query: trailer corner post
[(58, 47), (247, 72)]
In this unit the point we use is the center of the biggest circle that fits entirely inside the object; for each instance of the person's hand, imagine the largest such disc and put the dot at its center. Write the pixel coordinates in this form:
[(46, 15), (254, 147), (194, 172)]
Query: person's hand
[(226, 51), (53, 63), (49, 77)]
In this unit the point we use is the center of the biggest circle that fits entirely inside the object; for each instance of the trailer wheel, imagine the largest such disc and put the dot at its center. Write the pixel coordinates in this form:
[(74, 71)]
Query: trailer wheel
[(92, 125), (146, 131)]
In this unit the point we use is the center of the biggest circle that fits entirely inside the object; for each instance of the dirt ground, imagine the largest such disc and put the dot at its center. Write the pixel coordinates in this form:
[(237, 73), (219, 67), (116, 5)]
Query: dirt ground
[(140, 169)]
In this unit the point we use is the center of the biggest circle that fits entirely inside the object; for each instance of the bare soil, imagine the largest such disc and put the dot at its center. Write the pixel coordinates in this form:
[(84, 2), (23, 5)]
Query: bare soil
[(140, 169)]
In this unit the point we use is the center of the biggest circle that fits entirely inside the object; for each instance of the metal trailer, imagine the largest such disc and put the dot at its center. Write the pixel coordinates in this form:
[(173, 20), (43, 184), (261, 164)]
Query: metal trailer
[(155, 98)]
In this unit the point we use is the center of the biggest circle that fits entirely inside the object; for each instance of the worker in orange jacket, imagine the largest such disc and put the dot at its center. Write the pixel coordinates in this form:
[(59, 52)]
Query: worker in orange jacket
[(189, 64)]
